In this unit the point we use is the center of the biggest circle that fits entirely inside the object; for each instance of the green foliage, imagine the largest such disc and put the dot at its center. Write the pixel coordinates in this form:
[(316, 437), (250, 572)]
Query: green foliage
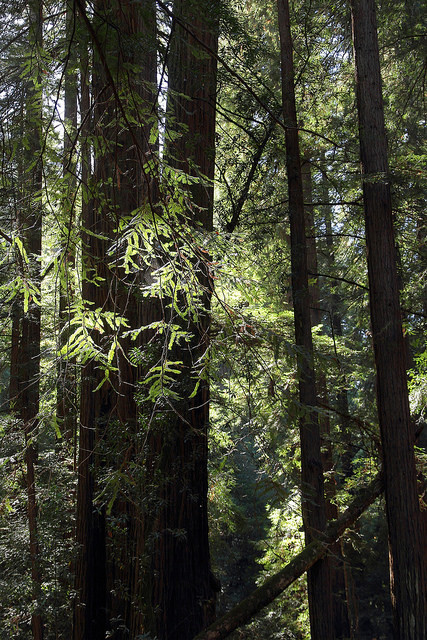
[(56, 482), (236, 281), (418, 386)]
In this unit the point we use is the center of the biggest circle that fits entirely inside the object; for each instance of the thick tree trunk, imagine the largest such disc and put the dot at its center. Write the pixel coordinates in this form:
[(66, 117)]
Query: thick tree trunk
[(183, 590), (314, 508), (107, 578), (275, 585), (407, 562)]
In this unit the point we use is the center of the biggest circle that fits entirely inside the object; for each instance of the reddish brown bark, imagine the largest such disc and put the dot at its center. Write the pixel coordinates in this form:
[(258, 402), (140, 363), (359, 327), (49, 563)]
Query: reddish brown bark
[(314, 508), (407, 561), (183, 590), (107, 579), (28, 352)]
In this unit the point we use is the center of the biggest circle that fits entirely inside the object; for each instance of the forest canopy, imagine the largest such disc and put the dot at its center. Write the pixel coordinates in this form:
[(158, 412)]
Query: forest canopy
[(213, 285)]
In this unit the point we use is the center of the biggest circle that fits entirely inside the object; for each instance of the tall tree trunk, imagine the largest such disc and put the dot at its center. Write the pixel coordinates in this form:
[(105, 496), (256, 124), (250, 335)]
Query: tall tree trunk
[(183, 585), (28, 369), (344, 464), (338, 582), (123, 38), (67, 371), (405, 527), (314, 508)]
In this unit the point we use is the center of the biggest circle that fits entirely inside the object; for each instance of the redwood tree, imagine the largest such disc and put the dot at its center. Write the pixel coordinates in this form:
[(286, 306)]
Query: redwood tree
[(405, 527), (155, 535), (28, 356), (314, 507), (183, 587), (124, 70)]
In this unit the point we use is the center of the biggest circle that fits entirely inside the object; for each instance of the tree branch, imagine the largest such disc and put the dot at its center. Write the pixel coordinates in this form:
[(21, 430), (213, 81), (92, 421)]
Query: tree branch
[(237, 209), (238, 77)]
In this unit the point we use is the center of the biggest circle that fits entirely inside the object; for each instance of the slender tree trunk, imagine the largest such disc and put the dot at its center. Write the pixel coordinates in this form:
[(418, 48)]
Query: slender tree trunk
[(90, 561), (405, 527), (28, 369), (314, 508), (183, 586), (338, 582), (67, 371)]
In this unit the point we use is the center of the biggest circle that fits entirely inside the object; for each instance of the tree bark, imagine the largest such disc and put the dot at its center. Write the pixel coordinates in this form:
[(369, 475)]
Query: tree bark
[(314, 508), (313, 552), (124, 70), (183, 589), (28, 356), (66, 405), (405, 526), (340, 606)]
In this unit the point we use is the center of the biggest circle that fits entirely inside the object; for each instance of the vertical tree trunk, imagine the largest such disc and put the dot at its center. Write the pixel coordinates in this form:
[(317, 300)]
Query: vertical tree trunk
[(344, 464), (407, 562), (90, 561), (340, 607), (106, 575), (314, 509), (183, 586), (28, 369), (67, 372)]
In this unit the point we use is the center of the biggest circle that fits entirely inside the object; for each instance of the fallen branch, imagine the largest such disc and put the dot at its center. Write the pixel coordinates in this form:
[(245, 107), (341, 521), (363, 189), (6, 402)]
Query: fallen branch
[(275, 585)]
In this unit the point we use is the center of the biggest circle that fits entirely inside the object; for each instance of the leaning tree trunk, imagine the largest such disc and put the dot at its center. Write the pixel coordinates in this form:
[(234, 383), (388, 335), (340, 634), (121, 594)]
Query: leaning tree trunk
[(314, 508), (274, 586), (407, 562)]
